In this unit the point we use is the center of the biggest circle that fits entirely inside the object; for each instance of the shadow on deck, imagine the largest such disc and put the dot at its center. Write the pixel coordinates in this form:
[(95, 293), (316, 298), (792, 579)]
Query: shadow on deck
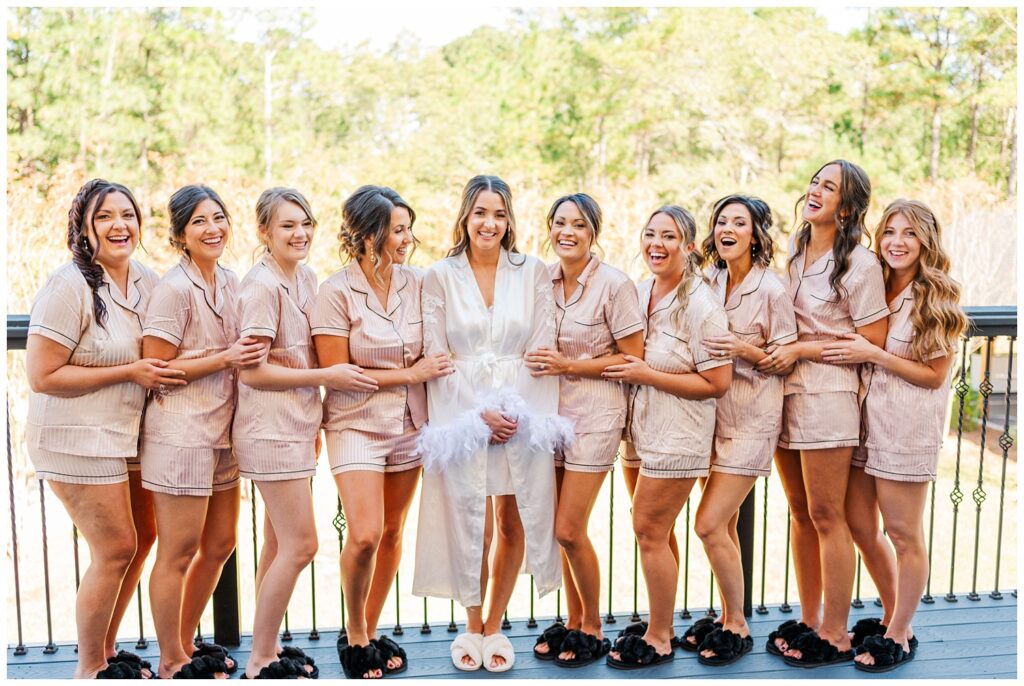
[(966, 639)]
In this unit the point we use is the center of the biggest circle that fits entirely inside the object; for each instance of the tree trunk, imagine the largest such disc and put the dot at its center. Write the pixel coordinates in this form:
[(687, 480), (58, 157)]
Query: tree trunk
[(933, 162), (972, 142), (1011, 177), (268, 110)]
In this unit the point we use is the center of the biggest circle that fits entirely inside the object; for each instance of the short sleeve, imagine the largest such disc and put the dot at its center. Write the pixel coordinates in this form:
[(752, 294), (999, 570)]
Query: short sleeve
[(781, 319), (168, 313), (57, 312), (712, 322), (259, 309), (623, 311), (866, 295), (331, 312)]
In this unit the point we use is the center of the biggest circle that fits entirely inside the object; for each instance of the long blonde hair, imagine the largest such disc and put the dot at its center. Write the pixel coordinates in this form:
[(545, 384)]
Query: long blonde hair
[(937, 318), (687, 226), (460, 230)]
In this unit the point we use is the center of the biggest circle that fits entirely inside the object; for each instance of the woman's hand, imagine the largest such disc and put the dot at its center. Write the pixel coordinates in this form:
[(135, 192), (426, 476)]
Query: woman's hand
[(245, 353), (725, 347), (348, 377), (431, 367), (547, 362), (852, 348), (502, 428), (634, 371), (154, 374), (780, 359)]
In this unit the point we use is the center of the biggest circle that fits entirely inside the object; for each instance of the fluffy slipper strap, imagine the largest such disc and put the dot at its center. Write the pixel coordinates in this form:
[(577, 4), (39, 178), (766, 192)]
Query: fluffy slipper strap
[(358, 660), (202, 667)]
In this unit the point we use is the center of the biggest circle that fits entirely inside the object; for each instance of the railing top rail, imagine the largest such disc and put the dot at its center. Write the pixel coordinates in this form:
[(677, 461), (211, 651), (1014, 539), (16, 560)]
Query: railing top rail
[(986, 320)]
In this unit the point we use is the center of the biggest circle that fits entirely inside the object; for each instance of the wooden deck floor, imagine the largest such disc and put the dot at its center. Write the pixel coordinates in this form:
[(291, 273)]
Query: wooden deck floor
[(966, 639)]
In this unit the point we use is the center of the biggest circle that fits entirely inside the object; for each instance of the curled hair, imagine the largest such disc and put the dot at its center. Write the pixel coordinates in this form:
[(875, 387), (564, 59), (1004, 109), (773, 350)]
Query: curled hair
[(587, 206), (81, 217), (366, 215), (854, 198), (762, 247), (687, 227), (937, 318), (182, 206), (460, 230), (269, 202)]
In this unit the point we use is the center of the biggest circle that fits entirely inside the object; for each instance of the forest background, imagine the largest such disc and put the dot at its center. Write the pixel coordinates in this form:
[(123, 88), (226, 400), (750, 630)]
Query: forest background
[(635, 106)]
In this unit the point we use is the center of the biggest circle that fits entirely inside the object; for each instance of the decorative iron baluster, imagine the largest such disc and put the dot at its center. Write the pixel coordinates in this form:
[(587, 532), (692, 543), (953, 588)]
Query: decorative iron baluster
[(505, 624), (51, 647), (74, 543), (398, 630), (978, 494), (785, 607), (927, 598), (425, 629), (314, 634), (1005, 442), (452, 628), (857, 602), (957, 496), (532, 621), (761, 608), (339, 525), (558, 606), (19, 649), (610, 617), (711, 598), (636, 587), (685, 612), (142, 643)]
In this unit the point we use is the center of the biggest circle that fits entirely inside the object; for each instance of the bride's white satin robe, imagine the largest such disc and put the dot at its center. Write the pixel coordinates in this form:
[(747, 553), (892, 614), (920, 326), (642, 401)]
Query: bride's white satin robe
[(490, 372)]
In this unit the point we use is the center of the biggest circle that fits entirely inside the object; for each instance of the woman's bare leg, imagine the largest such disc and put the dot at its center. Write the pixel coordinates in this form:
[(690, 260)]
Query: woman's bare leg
[(103, 515)]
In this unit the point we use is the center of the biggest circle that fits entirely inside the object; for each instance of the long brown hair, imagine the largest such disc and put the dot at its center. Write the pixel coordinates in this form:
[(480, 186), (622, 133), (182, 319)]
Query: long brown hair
[(854, 199), (762, 247), (475, 186), (687, 227), (81, 216), (937, 318)]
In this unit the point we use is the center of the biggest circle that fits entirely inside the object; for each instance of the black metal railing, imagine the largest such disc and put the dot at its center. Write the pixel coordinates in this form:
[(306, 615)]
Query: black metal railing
[(991, 339)]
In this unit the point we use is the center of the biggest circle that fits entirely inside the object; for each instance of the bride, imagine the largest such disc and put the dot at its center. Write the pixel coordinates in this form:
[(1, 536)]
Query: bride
[(492, 430)]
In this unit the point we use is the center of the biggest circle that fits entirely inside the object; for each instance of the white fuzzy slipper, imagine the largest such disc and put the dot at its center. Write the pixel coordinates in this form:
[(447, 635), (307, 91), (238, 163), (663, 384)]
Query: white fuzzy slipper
[(498, 645), (467, 644)]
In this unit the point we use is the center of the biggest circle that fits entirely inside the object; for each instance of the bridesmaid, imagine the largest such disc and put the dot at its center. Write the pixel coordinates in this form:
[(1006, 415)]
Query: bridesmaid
[(187, 461), (368, 323), (276, 427), (739, 249), (904, 411), (672, 416), (837, 288), (598, 321), (88, 382)]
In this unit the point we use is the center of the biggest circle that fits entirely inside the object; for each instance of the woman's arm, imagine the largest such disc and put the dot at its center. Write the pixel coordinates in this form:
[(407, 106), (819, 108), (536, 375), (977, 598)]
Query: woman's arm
[(48, 371), (244, 353), (555, 364), (710, 383), (855, 349), (332, 352)]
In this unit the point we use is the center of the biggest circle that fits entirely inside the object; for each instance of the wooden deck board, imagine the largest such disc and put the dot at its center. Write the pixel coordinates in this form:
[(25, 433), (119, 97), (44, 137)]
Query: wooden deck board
[(966, 639)]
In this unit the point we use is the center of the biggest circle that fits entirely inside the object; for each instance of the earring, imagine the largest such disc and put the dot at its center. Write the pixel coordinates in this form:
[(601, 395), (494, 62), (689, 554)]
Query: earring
[(373, 258)]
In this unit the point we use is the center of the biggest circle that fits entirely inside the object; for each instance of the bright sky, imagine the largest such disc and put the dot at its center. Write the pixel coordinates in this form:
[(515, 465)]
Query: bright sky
[(380, 24)]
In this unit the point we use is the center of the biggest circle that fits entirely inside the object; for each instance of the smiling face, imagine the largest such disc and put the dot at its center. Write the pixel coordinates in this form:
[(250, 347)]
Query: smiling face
[(822, 199), (734, 232), (399, 238), (487, 222), (662, 246), (571, 236), (290, 233), (114, 231), (207, 232), (900, 246)]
